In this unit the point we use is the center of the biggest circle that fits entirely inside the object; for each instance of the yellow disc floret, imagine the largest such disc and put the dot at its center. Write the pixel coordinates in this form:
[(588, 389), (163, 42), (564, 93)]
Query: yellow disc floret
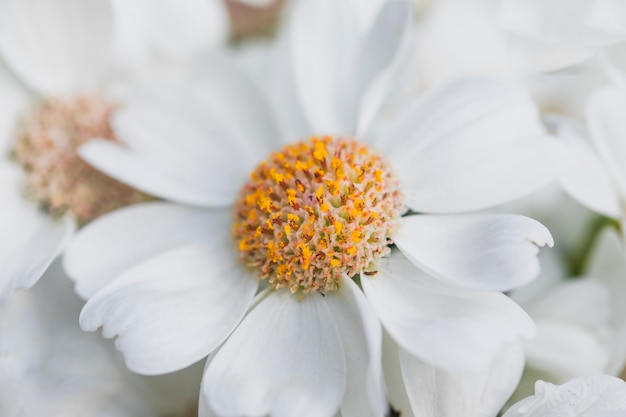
[(315, 211)]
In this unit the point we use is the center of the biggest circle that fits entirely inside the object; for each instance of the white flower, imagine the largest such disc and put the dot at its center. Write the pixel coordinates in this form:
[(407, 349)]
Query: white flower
[(58, 55), (600, 395), (167, 281)]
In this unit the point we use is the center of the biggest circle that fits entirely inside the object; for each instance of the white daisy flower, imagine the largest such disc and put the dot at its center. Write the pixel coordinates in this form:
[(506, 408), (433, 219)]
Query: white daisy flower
[(600, 395), (175, 281), (57, 96)]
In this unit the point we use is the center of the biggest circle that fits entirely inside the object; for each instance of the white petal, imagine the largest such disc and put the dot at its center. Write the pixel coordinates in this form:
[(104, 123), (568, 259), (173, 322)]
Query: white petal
[(607, 128), (56, 47), (384, 51), (362, 342), (588, 180), (437, 393), (170, 181), (174, 309), (600, 395), (193, 143), (12, 103), (451, 328), (29, 238), (468, 145), (167, 29), (285, 359), (477, 251), (120, 240), (566, 350), (322, 38), (396, 389)]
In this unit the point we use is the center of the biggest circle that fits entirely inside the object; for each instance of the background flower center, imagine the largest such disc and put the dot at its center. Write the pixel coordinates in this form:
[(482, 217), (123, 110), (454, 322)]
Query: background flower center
[(56, 178)]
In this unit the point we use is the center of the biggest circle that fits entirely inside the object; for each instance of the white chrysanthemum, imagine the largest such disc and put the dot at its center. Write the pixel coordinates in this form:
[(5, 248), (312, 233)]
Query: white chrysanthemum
[(600, 395), (175, 281), (59, 58)]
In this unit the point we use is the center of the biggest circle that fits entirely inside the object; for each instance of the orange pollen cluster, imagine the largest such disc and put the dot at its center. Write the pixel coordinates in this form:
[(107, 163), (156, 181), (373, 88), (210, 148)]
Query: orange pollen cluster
[(56, 178), (315, 211)]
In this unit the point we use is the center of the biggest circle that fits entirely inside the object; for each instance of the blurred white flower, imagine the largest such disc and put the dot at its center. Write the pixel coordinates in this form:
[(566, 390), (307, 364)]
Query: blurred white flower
[(49, 367), (581, 322), (166, 279), (601, 395), (57, 93)]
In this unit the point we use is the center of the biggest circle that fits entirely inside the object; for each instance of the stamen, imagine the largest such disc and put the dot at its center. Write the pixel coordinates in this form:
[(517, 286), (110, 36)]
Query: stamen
[(315, 211)]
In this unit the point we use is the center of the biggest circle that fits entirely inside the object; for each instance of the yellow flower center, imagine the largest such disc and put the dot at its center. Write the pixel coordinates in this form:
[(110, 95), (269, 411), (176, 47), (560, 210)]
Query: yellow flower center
[(315, 211), (56, 178)]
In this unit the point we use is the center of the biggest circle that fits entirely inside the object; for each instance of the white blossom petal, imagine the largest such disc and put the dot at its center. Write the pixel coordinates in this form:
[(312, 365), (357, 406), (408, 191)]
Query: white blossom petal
[(469, 145), (57, 47), (477, 251), (30, 239), (174, 309), (362, 342), (323, 40), (148, 29), (384, 51), (124, 238), (437, 393), (450, 328), (285, 358), (588, 180)]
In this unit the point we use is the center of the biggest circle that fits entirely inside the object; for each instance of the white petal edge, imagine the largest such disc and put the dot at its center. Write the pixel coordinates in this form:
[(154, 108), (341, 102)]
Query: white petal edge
[(113, 243), (285, 359), (53, 50), (361, 335), (174, 309), (477, 251), (437, 393), (450, 328)]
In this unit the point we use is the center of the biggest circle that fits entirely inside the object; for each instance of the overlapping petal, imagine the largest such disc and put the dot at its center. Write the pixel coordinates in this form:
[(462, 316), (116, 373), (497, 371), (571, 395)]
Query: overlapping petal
[(120, 240), (451, 328), (285, 358), (437, 393), (469, 145), (174, 309)]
